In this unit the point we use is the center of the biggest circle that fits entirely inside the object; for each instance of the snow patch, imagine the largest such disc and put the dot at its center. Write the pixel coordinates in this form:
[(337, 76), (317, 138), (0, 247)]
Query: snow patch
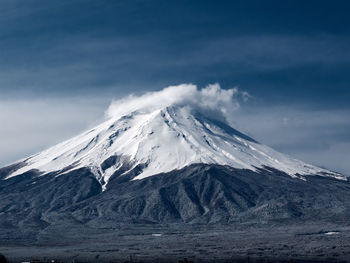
[(331, 233)]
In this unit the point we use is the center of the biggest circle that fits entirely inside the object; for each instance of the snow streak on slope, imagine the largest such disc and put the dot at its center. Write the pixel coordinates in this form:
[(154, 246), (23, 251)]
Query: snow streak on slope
[(161, 141)]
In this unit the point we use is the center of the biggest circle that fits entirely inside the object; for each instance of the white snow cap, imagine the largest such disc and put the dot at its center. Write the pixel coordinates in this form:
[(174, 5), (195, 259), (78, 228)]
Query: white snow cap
[(164, 131), (211, 98)]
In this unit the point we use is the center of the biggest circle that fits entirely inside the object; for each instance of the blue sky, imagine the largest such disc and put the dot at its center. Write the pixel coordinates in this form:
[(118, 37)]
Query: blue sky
[(61, 63)]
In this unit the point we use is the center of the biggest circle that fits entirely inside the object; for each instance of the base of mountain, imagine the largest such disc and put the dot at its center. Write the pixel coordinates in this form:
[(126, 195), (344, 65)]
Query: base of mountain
[(204, 213), (313, 242), (197, 194)]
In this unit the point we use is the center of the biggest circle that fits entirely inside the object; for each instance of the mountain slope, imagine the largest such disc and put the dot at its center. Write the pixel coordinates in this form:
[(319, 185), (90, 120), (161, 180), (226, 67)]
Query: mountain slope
[(161, 141), (199, 193)]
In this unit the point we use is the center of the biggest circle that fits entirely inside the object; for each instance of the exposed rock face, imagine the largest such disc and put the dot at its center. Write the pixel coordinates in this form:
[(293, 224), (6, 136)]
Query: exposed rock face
[(196, 194)]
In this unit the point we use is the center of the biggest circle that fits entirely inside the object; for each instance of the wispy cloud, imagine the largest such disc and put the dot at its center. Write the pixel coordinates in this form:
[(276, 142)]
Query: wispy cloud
[(211, 99)]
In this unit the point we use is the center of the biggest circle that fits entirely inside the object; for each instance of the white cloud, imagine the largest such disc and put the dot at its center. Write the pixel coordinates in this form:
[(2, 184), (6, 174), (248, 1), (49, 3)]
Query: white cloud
[(211, 98)]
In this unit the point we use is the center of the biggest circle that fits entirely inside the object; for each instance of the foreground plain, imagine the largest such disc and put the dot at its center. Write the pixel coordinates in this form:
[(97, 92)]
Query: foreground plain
[(170, 243), (206, 213)]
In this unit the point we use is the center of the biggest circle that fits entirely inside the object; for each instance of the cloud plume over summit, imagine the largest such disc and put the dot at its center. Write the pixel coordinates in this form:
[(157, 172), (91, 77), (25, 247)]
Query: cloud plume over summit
[(212, 98)]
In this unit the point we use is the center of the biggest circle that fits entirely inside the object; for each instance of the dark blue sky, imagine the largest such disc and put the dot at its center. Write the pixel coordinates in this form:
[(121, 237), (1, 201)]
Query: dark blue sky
[(295, 50), (293, 57)]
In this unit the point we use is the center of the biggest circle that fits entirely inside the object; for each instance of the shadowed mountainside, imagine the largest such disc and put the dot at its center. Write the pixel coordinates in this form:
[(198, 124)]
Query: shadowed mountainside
[(196, 194)]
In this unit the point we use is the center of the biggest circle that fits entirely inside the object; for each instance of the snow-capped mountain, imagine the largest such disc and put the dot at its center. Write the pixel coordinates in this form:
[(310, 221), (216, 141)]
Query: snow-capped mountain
[(165, 157), (160, 141)]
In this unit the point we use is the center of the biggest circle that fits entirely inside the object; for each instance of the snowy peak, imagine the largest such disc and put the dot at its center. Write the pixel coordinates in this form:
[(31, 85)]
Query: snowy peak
[(160, 141)]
